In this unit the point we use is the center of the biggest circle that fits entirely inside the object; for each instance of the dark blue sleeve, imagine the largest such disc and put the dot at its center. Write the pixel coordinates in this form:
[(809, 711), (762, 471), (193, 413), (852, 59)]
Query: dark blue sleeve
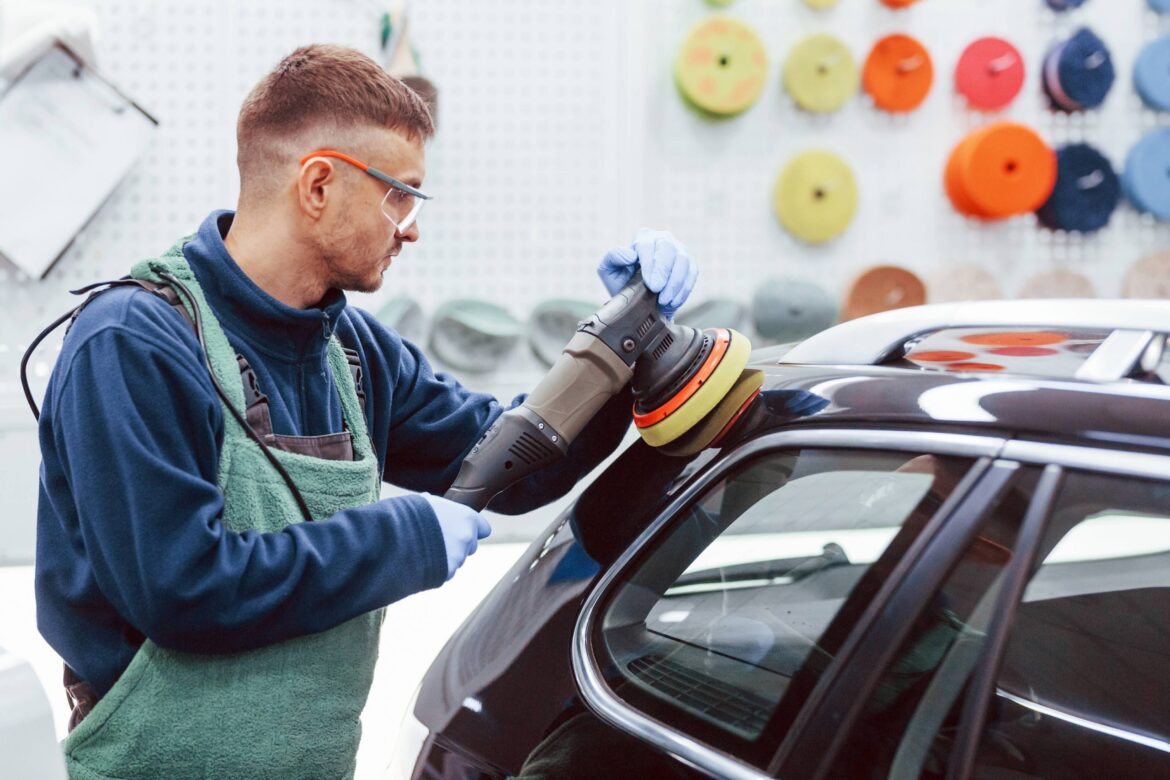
[(423, 424), (139, 428)]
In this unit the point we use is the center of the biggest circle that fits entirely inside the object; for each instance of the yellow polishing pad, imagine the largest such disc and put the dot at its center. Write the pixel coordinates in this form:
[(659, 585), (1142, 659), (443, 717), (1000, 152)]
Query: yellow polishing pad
[(820, 73), (820, 3), (708, 430), (722, 66), (815, 197), (706, 394)]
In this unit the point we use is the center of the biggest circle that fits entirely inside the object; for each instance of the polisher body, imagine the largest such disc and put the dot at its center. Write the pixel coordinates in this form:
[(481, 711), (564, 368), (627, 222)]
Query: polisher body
[(680, 375)]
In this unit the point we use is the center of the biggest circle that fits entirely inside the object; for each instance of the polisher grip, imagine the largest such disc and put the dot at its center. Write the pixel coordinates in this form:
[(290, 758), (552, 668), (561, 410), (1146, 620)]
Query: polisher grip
[(586, 375), (517, 444)]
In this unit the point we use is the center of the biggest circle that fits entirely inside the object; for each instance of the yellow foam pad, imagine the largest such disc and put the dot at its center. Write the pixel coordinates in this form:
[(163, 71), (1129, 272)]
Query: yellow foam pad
[(722, 66), (815, 196), (703, 434), (820, 3), (820, 73), (695, 408)]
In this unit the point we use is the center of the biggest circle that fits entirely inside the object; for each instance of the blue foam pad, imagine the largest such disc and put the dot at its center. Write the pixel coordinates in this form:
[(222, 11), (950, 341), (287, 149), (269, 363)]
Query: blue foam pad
[(1161, 6), (1064, 5), (1086, 193), (1151, 74), (1147, 174), (1079, 72)]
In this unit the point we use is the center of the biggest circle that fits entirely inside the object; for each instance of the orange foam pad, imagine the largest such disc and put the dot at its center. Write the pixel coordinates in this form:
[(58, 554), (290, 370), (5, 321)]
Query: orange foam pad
[(898, 3), (898, 73), (1000, 171)]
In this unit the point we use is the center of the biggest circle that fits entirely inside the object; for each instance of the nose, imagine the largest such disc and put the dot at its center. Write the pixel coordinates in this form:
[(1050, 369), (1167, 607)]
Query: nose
[(411, 234)]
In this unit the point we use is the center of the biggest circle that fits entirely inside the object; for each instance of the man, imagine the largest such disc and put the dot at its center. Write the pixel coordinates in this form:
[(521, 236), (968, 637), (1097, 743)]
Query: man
[(210, 629)]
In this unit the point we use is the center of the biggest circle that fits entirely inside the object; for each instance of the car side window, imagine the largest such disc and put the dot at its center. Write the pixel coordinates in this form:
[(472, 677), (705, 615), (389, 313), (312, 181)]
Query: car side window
[(1084, 682), (722, 625)]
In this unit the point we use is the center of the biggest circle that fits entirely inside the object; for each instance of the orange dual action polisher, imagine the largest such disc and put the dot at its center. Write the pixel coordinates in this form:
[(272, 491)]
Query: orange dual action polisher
[(689, 389)]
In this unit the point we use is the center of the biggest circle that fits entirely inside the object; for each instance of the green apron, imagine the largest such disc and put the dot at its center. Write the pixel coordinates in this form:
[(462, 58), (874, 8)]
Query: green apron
[(289, 710)]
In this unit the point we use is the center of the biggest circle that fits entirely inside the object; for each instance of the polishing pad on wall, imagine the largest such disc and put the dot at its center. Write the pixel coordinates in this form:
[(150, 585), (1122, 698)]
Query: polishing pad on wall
[(989, 74), (962, 283), (1148, 277), (883, 288), (898, 73), (474, 335), (1000, 171), (1146, 178), (1151, 74), (553, 323), (1078, 73), (820, 73), (815, 196), (721, 66), (787, 310), (1086, 193), (1057, 283), (405, 317), (715, 313)]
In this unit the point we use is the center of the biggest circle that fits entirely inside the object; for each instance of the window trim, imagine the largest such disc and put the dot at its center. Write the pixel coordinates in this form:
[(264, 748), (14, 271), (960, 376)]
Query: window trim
[(1019, 572), (586, 671)]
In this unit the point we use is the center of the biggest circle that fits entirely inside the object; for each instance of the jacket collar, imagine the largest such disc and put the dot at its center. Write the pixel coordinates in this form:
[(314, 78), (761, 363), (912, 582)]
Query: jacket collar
[(249, 313)]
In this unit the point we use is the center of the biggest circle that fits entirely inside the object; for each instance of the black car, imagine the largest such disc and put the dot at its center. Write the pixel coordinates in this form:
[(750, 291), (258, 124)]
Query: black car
[(938, 546)]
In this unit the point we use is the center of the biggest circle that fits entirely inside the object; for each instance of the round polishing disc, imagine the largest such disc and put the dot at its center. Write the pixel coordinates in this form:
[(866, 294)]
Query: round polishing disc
[(473, 335), (701, 400), (820, 73), (1086, 193), (1078, 73), (1064, 5), (1003, 170), (815, 196), (707, 431), (954, 181), (1057, 283), (1148, 277), (720, 3), (962, 283), (898, 3), (820, 3), (1161, 6), (721, 66), (787, 310), (898, 73), (1151, 74), (1147, 173), (989, 74), (882, 288)]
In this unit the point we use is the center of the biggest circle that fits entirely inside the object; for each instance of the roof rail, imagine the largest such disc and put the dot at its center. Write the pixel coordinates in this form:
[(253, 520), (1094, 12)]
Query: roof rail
[(1138, 341)]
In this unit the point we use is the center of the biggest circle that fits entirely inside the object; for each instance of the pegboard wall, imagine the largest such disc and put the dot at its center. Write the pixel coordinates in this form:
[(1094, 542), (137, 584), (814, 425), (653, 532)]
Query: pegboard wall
[(561, 132)]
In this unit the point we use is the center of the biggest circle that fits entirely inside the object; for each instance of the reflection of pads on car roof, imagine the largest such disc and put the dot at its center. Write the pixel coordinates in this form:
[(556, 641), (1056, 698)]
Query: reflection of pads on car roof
[(473, 335)]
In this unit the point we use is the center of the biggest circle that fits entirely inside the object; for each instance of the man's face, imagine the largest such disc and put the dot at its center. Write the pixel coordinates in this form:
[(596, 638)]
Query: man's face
[(357, 243)]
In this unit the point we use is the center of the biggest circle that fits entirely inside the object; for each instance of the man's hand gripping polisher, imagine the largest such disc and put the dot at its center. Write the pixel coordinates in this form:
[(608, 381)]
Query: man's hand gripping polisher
[(689, 388)]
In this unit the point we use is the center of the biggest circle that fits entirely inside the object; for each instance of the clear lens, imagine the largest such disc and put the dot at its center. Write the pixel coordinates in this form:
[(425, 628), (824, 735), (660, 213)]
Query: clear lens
[(401, 208)]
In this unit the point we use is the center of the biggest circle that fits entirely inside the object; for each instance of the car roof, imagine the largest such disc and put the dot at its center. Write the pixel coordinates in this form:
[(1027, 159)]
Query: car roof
[(861, 370)]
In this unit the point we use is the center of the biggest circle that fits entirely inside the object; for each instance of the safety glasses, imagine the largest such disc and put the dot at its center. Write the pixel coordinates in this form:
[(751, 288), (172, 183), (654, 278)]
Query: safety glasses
[(402, 202)]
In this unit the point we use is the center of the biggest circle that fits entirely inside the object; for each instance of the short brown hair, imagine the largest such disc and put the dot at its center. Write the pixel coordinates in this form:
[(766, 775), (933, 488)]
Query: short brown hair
[(321, 86)]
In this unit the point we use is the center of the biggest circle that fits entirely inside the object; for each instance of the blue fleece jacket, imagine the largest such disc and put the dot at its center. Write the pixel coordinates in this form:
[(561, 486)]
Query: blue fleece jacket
[(129, 529)]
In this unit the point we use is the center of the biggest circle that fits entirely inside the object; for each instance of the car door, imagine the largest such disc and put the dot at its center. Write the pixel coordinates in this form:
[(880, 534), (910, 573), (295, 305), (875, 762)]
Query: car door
[(710, 636), (1059, 666)]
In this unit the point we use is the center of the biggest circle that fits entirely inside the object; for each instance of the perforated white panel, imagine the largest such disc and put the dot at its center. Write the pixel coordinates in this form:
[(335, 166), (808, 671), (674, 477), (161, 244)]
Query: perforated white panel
[(561, 133), (713, 180)]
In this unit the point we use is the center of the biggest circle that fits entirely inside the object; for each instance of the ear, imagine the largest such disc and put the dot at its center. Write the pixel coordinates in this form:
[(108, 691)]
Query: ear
[(315, 186)]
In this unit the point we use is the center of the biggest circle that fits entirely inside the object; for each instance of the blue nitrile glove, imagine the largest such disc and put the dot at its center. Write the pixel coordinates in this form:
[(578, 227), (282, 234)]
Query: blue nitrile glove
[(667, 269), (462, 529)]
